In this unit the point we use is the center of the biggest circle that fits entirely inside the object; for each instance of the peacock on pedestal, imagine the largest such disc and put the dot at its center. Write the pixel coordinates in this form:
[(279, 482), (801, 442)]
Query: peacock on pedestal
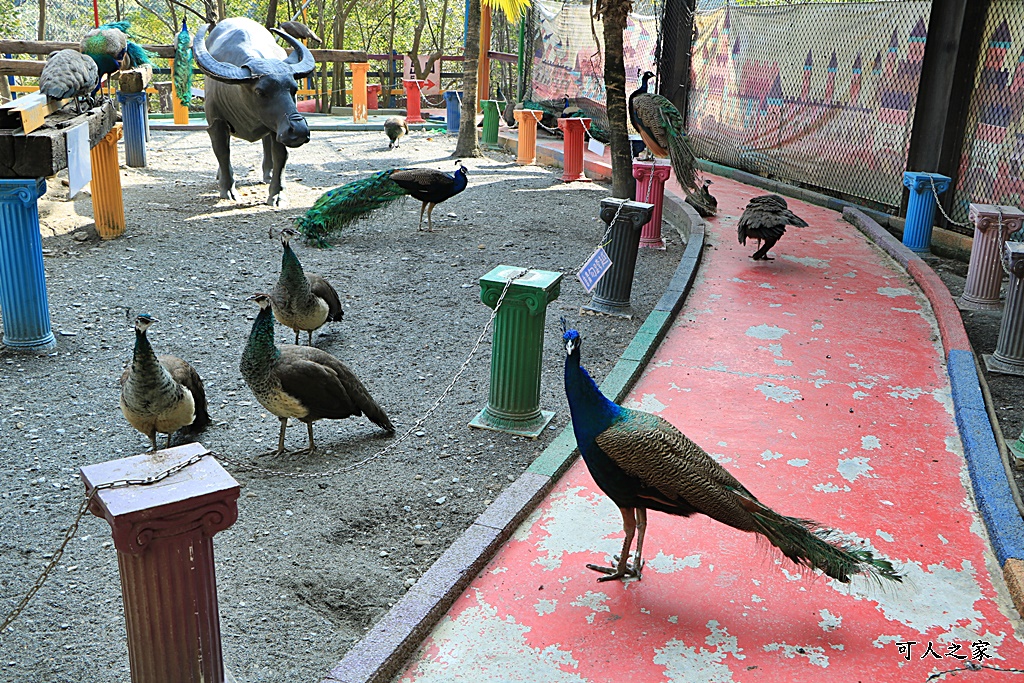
[(69, 74), (183, 63), (112, 50), (661, 126)]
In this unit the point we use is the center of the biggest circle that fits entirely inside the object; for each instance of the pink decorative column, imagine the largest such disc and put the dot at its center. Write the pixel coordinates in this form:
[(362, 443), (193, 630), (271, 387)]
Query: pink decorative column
[(164, 538), (650, 188), (573, 130), (992, 225), (412, 100), (527, 149)]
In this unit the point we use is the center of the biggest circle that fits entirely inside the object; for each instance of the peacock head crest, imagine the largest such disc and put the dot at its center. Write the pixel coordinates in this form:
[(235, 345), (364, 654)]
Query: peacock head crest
[(143, 321), (262, 299), (571, 338), (461, 167)]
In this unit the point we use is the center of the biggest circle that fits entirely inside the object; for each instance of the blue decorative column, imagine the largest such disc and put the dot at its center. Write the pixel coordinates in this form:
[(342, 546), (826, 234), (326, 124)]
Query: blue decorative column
[(453, 117), (917, 229), (23, 301), (134, 113)]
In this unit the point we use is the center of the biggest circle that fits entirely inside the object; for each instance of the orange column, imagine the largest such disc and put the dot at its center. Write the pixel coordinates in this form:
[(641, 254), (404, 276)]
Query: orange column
[(359, 70), (527, 150), (107, 203), (572, 148), (180, 110), (483, 70)]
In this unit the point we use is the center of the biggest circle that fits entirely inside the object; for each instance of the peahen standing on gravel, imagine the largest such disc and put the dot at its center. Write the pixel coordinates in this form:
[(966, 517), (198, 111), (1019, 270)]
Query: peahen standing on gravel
[(302, 381), (395, 127), (661, 126), (336, 208), (765, 219), (644, 463), (182, 65), (302, 301), (161, 394), (69, 74), (111, 48)]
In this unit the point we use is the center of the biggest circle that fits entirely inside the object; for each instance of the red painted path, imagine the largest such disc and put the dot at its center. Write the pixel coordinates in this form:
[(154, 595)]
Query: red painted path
[(818, 380)]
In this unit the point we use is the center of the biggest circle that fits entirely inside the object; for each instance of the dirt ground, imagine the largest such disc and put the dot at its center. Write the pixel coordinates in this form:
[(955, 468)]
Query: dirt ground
[(310, 564)]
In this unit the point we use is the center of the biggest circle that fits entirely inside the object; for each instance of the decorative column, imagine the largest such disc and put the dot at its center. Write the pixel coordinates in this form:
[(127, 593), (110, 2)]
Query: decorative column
[(513, 403), (917, 228), (23, 299), (359, 70), (611, 296), (483, 66), (453, 110), (373, 96), (650, 188), (992, 225), (164, 539), (412, 100), (107, 202), (573, 130), (179, 109), (134, 112), (489, 139), (1008, 358), (527, 149)]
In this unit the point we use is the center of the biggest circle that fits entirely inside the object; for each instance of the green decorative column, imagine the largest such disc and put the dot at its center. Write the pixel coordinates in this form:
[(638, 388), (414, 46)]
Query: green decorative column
[(489, 139), (513, 402)]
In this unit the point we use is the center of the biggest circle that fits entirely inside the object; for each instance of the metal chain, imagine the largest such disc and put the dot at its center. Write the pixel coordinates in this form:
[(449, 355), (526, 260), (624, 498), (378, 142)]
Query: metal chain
[(935, 193), (73, 529), (999, 254), (248, 467)]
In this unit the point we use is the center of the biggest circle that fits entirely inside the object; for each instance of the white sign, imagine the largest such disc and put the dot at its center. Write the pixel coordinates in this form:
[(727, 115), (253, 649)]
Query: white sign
[(79, 162), (596, 146), (594, 269)]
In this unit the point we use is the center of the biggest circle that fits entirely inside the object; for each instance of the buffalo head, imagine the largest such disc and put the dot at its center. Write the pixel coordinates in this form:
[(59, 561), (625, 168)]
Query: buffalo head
[(269, 84)]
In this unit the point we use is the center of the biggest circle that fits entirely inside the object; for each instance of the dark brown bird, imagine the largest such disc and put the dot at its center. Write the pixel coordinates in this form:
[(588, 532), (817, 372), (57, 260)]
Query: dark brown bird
[(302, 301), (703, 201), (302, 381), (765, 219), (299, 31), (395, 127), (161, 394), (660, 125)]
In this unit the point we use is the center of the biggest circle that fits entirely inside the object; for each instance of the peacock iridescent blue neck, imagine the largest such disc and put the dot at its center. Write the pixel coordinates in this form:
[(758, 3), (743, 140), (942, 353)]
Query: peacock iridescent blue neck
[(290, 265), (591, 411), (105, 63), (461, 180), (261, 350)]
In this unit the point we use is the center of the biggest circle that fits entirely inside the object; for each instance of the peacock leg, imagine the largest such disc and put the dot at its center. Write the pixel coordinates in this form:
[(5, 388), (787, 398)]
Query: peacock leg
[(311, 447), (152, 440), (641, 527), (168, 440), (430, 214), (420, 226), (280, 439), (622, 569), (309, 337)]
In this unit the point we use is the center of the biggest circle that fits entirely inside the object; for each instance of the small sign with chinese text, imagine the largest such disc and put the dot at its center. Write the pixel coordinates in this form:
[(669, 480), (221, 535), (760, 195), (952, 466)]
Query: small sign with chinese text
[(594, 269), (596, 146), (79, 162)]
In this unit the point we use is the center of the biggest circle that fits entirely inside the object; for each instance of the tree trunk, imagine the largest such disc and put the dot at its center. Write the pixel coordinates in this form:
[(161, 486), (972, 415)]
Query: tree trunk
[(222, 10), (41, 27), (271, 14), (468, 145), (614, 19)]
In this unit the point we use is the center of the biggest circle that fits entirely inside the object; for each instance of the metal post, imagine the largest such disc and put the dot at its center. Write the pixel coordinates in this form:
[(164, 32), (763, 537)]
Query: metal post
[(359, 70), (489, 139), (521, 61), (573, 130), (992, 225), (107, 202), (917, 229), (513, 402), (134, 112), (453, 110), (611, 296), (651, 177), (527, 143), (164, 540), (412, 100), (1008, 358), (23, 299)]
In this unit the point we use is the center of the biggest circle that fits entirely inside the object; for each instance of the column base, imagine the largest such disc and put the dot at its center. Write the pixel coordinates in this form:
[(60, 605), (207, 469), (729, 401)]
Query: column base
[(531, 427), (47, 343), (1003, 366), (658, 244), (968, 303), (1016, 449), (613, 309)]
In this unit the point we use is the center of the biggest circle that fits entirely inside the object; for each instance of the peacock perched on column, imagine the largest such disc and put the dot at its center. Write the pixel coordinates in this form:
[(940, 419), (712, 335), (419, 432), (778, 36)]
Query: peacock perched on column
[(69, 74), (183, 64), (661, 126), (112, 50), (644, 463)]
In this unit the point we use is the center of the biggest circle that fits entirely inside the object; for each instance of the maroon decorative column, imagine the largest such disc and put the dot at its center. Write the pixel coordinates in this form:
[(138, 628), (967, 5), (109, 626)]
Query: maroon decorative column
[(650, 189), (992, 225), (163, 533), (573, 130)]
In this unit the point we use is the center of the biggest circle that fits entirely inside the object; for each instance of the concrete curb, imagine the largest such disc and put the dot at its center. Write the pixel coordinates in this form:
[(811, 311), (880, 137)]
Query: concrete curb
[(984, 463), (381, 652)]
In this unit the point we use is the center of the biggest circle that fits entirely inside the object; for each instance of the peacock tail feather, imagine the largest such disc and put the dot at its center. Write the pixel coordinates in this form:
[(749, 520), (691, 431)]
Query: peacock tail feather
[(337, 208), (138, 54), (182, 75), (684, 162), (121, 26)]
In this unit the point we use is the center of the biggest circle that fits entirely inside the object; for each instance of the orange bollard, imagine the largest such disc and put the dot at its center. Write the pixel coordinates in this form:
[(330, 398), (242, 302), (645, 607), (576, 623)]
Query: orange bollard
[(572, 148), (107, 203), (359, 70), (527, 150), (412, 100), (180, 110)]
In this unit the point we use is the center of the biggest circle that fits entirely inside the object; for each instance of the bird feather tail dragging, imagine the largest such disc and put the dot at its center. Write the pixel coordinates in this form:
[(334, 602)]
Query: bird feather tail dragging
[(183, 66), (337, 208), (684, 161)]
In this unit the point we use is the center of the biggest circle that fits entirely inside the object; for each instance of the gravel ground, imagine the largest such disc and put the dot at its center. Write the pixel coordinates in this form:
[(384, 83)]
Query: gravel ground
[(310, 564)]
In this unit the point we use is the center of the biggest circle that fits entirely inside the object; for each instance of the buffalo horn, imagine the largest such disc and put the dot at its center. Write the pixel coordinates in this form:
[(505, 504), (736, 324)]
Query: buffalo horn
[(228, 73), (301, 59)]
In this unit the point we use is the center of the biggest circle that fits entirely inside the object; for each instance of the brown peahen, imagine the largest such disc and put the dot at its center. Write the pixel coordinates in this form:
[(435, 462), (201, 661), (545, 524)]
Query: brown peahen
[(703, 201), (69, 74), (395, 127), (302, 381), (765, 219), (299, 31), (644, 463), (302, 301), (161, 394), (661, 126)]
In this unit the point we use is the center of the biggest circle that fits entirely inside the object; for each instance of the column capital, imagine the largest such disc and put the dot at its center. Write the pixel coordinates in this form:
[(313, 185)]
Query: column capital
[(918, 181), (634, 214), (573, 122), (643, 169), (988, 216), (134, 97), (534, 290), (1013, 257), (25, 190), (522, 115), (359, 66)]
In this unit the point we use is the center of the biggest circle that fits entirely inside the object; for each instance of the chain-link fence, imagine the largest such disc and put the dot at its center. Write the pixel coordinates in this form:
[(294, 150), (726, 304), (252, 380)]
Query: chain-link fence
[(820, 95)]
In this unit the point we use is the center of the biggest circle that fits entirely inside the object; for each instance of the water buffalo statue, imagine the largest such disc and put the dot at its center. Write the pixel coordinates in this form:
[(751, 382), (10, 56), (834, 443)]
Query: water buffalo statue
[(250, 93)]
